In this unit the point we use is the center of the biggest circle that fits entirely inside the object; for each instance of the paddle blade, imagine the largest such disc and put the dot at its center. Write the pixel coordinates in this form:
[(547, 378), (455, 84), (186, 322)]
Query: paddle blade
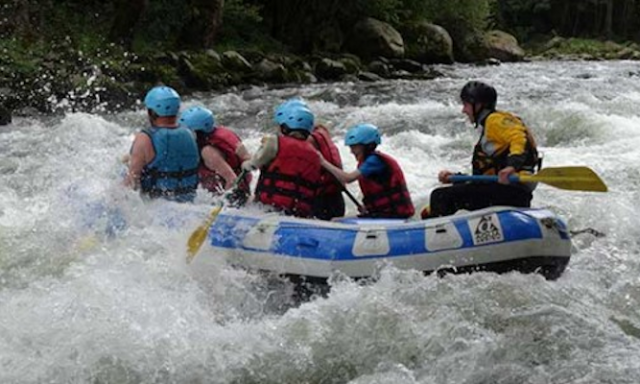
[(570, 178), (198, 236)]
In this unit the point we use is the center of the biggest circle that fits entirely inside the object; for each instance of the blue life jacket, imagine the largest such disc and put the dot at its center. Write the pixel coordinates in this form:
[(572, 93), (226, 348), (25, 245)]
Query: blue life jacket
[(173, 173)]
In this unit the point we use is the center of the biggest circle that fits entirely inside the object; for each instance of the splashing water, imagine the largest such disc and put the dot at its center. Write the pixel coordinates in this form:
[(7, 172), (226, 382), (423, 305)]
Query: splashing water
[(94, 288)]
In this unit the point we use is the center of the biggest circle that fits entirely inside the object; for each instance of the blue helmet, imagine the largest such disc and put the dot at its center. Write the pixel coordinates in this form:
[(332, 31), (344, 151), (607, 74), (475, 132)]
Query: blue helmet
[(198, 119), (298, 118), (278, 115), (362, 134), (163, 100)]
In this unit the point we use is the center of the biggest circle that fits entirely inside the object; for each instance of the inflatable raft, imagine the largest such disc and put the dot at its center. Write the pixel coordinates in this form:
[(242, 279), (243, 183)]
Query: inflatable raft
[(497, 239)]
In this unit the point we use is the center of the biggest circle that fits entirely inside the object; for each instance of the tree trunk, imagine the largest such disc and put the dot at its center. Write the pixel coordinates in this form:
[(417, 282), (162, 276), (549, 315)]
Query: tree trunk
[(203, 23), (213, 12), (628, 13), (608, 20), (23, 25), (127, 15), (302, 23)]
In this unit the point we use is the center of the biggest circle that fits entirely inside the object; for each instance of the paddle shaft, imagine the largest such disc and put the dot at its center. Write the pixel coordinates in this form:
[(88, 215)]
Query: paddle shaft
[(481, 178), (345, 190), (574, 178), (351, 197)]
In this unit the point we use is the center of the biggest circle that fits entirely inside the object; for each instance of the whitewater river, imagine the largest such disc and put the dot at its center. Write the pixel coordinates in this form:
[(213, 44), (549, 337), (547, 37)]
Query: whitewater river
[(85, 298)]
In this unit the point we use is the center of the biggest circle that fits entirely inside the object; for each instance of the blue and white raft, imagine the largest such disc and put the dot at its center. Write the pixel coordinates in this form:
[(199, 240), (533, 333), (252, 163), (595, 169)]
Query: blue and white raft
[(497, 239)]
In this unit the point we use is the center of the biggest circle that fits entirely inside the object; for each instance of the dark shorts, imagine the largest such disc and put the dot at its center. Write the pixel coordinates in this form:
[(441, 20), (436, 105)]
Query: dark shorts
[(448, 200), (326, 207)]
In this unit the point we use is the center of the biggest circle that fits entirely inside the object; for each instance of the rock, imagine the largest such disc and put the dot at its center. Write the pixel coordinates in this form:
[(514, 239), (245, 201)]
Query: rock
[(471, 47), (352, 65), (379, 68), (428, 43), (400, 74), (407, 65), (503, 46), (587, 57), (213, 55), (371, 38), (269, 71), (253, 56), (584, 76), (349, 78), (168, 58), (305, 66), (236, 62), (202, 71), (5, 115), (330, 69), (627, 54), (368, 76), (308, 77), (190, 74), (555, 42)]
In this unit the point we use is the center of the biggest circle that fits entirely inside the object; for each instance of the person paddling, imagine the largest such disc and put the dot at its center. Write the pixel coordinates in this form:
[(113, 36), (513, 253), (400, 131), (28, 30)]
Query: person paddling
[(380, 177), (330, 202), (222, 154), (289, 165), (505, 147), (164, 157)]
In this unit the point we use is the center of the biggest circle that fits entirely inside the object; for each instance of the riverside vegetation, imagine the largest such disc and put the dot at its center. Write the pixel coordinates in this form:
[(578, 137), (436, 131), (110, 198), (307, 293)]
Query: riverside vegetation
[(90, 55)]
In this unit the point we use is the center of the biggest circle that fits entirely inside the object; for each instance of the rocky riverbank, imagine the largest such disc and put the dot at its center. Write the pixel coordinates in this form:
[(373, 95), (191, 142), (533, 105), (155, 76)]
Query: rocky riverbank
[(63, 78)]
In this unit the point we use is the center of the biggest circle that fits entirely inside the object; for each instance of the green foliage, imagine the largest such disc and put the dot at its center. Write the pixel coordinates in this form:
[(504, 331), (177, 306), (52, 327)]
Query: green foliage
[(241, 13), (54, 21), (161, 25), (463, 19), (385, 10), (578, 18), (472, 13), (15, 55), (579, 46), (242, 27), (522, 18), (456, 14)]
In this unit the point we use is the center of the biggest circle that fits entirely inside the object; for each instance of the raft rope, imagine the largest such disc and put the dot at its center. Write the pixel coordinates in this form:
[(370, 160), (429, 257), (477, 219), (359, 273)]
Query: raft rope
[(589, 230)]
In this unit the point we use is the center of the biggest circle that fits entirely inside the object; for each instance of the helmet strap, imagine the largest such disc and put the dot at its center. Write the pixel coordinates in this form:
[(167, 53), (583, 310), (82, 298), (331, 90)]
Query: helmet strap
[(476, 112), (201, 135), (298, 133), (481, 114), (163, 121), (152, 115), (370, 148)]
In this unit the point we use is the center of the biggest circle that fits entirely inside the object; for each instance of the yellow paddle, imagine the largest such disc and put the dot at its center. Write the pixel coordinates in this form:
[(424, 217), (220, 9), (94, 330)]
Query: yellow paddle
[(569, 178), (198, 236)]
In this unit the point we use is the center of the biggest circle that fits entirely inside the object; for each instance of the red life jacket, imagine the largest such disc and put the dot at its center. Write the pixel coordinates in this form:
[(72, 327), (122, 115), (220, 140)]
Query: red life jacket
[(290, 182), (388, 197), (328, 183), (225, 141)]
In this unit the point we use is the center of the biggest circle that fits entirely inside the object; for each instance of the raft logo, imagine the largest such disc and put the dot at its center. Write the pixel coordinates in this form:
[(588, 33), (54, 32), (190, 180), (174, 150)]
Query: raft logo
[(486, 229)]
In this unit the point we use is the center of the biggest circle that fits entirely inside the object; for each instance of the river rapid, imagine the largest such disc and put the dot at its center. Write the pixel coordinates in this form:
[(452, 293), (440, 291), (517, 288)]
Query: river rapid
[(86, 298)]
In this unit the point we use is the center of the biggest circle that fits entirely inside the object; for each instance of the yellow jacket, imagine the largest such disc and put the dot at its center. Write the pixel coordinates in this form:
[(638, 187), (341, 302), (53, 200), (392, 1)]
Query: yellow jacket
[(504, 141)]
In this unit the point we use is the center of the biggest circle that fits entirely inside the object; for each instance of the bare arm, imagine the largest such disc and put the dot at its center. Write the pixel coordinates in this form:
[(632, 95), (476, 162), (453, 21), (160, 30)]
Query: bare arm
[(265, 154), (141, 154), (342, 176), (242, 152), (214, 160)]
